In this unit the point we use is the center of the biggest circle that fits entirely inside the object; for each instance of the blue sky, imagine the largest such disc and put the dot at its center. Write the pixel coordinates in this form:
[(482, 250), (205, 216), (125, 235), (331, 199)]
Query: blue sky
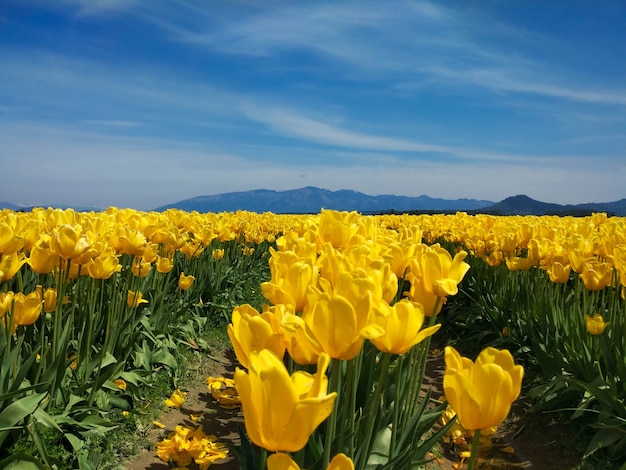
[(147, 102)]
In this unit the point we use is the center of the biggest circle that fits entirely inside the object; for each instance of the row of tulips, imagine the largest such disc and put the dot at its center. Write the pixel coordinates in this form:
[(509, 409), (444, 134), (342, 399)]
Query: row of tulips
[(91, 297), (360, 304)]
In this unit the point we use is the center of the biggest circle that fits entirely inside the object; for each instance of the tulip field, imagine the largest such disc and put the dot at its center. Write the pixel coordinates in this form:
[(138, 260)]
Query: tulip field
[(331, 318)]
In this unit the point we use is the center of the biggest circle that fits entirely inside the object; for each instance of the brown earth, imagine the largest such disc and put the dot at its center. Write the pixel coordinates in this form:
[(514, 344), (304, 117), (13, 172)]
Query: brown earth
[(538, 440)]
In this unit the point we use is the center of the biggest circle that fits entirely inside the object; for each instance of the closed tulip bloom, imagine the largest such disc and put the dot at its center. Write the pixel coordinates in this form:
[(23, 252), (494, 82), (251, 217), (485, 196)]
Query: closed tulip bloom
[(68, 241), (42, 259), (49, 298), (9, 242), (440, 272), (250, 331), (10, 264), (291, 276), (596, 324), (341, 326), (164, 265), (103, 267), (280, 461), (558, 272), (301, 345), (140, 268), (280, 411), (26, 308), (481, 392), (403, 327), (185, 282)]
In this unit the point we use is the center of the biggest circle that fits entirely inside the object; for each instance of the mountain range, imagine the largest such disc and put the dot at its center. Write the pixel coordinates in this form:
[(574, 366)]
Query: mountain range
[(310, 200)]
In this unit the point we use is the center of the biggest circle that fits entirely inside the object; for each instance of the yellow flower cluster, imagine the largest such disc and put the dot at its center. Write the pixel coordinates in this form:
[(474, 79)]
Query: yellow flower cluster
[(224, 392), (184, 446)]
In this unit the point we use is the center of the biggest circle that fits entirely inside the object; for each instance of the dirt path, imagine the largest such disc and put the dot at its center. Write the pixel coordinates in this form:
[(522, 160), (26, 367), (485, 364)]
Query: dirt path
[(537, 440)]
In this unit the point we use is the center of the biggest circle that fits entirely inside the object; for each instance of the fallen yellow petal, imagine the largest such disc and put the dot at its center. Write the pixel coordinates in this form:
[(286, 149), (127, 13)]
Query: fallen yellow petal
[(158, 424)]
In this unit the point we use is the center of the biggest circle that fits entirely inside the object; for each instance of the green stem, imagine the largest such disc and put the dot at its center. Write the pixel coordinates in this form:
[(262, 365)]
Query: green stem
[(373, 404), (332, 420), (263, 459), (472, 459)]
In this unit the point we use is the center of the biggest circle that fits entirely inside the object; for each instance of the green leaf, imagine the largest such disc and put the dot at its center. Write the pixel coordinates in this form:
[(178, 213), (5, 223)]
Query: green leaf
[(21, 462), (18, 410)]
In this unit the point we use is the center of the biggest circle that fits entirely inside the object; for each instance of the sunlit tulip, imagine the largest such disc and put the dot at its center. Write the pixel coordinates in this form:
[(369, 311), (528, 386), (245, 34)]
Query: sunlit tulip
[(337, 228), (341, 326), (558, 272), (302, 346), (280, 411), (403, 326), (417, 293), (9, 242), (596, 275), (217, 253), (134, 299), (280, 461), (596, 324), (140, 268), (43, 259), (441, 273), (291, 276), (481, 392), (185, 282), (26, 308), (164, 265), (69, 242), (49, 298), (131, 242), (11, 264), (103, 267), (251, 331)]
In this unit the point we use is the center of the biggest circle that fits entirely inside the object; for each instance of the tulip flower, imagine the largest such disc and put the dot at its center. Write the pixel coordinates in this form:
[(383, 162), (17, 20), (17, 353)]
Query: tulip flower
[(134, 299), (250, 331), (10, 264), (9, 242), (176, 400), (42, 259), (103, 267), (481, 393), (339, 325), (69, 242), (291, 276), (280, 461), (185, 282), (403, 327), (596, 324), (280, 411), (164, 265)]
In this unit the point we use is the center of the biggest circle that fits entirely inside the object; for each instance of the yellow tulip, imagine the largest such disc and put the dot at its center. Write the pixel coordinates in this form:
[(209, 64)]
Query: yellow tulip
[(9, 242), (176, 400), (42, 259), (403, 326), (217, 253), (103, 267), (69, 242), (26, 308), (280, 461), (164, 265), (337, 228), (596, 324), (134, 299), (291, 276), (280, 411), (185, 282), (49, 298), (481, 392), (11, 264), (441, 273), (140, 268), (251, 331), (339, 325), (302, 346)]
